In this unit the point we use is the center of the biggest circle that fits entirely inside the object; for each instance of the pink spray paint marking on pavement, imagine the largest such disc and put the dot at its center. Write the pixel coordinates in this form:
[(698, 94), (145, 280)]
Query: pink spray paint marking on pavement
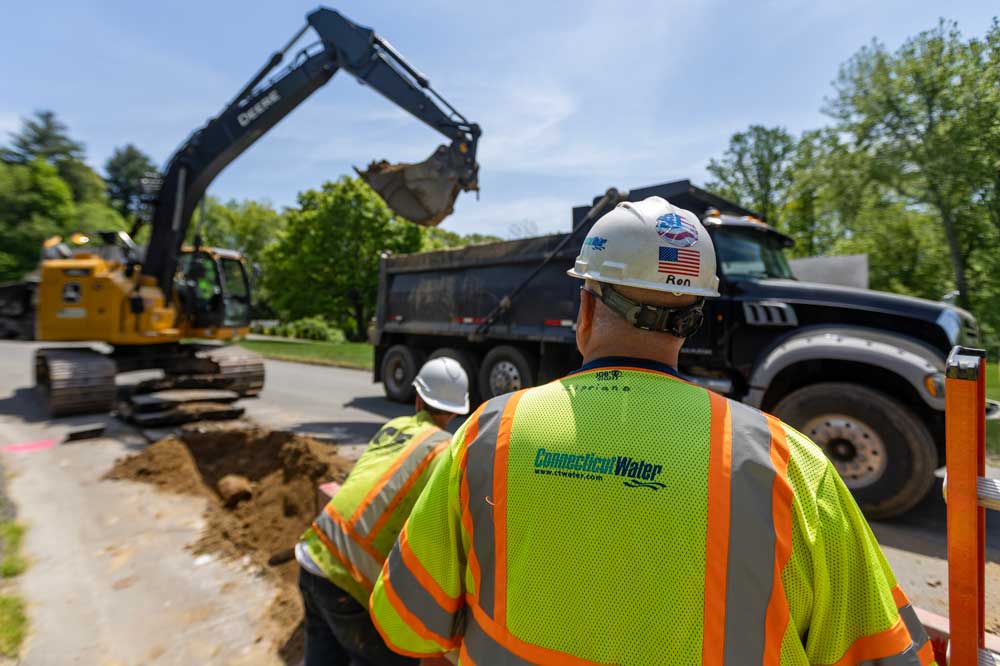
[(25, 447)]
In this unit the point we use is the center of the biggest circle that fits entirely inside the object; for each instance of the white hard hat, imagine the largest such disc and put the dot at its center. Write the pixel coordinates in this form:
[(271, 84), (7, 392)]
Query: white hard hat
[(650, 244), (443, 384)]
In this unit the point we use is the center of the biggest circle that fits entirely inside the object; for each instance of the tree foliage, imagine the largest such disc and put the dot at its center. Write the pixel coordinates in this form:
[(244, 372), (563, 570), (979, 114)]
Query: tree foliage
[(436, 238), (908, 172), (756, 169), (326, 260), (42, 136), (246, 226), (34, 204), (125, 171), (46, 189)]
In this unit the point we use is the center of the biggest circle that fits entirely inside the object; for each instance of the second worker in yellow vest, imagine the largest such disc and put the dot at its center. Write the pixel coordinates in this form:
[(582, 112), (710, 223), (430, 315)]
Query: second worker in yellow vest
[(621, 515), (341, 554)]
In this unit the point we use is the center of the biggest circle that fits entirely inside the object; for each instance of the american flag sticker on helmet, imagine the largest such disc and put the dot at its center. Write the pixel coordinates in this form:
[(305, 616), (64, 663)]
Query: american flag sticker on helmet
[(679, 261)]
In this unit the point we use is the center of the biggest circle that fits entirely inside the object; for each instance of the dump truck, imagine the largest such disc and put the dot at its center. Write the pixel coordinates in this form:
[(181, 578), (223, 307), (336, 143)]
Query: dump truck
[(860, 372)]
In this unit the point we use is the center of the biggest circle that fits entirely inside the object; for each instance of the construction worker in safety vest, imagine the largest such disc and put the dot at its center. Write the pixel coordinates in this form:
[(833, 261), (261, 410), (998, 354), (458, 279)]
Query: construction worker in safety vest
[(622, 515), (341, 554)]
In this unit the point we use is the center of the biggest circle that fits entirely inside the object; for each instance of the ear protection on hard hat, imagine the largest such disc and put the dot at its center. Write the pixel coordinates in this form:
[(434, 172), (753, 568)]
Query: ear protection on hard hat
[(679, 322)]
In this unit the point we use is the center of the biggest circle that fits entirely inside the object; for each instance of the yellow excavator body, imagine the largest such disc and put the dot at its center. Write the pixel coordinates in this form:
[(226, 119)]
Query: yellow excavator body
[(86, 298)]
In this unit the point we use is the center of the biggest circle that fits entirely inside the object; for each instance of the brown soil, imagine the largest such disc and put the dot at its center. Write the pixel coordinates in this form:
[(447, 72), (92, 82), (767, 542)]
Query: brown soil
[(284, 471)]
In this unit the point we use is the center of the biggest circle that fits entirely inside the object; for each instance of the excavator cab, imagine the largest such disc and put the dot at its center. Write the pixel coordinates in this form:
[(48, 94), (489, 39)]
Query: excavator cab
[(213, 289)]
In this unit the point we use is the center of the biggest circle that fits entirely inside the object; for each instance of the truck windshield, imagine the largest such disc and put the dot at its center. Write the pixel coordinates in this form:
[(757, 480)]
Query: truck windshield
[(750, 253)]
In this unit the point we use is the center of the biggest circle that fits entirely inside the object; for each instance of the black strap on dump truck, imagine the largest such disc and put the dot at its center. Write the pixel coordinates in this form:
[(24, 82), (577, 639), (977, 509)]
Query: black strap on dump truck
[(609, 200)]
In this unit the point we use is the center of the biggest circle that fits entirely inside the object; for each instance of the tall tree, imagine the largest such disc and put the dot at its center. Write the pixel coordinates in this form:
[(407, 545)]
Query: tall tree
[(125, 170), (756, 169), (908, 111), (46, 137), (326, 261), (43, 136)]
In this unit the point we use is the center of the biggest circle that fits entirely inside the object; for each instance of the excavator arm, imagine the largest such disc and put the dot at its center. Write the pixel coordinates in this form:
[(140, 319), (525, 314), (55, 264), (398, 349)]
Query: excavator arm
[(423, 193)]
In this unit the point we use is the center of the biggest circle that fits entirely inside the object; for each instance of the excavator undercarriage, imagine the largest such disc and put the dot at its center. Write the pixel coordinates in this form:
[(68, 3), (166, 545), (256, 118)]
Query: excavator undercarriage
[(81, 380)]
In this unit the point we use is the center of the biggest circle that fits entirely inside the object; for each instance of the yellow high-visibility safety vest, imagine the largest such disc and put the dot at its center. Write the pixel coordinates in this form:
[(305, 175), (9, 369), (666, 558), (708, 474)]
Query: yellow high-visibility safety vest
[(623, 516), (351, 538)]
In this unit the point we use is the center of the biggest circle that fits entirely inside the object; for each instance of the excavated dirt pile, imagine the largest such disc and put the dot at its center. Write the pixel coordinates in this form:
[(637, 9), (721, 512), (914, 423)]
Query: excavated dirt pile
[(261, 487)]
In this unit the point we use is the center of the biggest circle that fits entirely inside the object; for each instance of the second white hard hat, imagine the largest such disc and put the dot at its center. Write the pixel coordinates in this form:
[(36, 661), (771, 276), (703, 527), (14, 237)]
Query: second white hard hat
[(443, 384), (650, 244)]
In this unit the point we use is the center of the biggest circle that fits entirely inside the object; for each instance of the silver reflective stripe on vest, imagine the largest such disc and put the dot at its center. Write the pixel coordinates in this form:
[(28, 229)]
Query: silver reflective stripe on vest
[(372, 512), (357, 556), (479, 457), (912, 622), (750, 568), (908, 657), (484, 650), (418, 600)]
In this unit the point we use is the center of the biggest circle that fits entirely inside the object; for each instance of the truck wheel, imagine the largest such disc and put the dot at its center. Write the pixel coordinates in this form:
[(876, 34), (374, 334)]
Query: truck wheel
[(399, 368), (883, 452), (469, 363), (506, 369)]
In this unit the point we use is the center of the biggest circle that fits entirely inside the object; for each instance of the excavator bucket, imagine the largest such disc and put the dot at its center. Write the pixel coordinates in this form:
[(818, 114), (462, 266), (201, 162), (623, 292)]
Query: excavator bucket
[(423, 192)]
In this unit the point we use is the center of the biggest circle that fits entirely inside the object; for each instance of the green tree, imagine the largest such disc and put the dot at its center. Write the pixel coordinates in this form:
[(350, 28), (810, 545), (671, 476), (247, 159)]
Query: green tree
[(326, 260), (246, 226), (85, 184), (125, 170), (45, 137), (436, 238), (34, 204), (756, 169), (42, 136), (908, 111)]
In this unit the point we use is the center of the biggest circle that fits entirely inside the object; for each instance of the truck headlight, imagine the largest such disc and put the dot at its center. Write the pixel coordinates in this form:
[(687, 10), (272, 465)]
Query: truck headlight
[(951, 324), (934, 383)]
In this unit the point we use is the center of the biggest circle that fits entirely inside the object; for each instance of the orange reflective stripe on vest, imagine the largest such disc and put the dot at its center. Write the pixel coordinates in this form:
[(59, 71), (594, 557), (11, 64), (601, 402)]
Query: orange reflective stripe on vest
[(748, 494)]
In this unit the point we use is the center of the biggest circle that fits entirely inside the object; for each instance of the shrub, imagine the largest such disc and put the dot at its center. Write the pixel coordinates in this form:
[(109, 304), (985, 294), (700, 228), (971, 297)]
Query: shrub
[(308, 328)]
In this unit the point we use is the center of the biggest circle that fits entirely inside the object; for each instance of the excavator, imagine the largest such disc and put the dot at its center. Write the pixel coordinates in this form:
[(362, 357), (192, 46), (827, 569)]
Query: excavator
[(145, 303)]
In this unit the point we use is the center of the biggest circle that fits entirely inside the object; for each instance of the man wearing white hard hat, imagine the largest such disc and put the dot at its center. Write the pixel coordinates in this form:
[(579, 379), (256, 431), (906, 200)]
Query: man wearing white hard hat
[(621, 515), (342, 554)]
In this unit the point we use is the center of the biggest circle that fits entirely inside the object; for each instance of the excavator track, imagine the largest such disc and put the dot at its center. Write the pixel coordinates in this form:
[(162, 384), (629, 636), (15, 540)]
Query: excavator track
[(230, 368), (238, 370), (75, 380)]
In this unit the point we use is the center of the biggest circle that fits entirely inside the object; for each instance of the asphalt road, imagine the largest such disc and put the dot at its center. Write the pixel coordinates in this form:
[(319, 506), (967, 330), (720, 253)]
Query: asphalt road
[(332, 403)]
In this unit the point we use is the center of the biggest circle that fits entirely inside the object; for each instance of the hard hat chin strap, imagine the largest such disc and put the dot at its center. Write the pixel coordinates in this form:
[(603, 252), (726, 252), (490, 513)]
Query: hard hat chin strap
[(679, 322)]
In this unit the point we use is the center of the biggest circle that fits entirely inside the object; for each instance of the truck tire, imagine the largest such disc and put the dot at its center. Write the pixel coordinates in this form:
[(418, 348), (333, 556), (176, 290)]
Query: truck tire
[(883, 452), (400, 366), (469, 363), (506, 369)]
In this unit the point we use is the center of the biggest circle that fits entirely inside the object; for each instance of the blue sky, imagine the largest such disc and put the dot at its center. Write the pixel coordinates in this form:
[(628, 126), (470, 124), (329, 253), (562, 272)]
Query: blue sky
[(573, 97)]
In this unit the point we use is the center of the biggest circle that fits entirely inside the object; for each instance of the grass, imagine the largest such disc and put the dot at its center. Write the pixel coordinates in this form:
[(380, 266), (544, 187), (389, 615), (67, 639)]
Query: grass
[(13, 563), (344, 354), (13, 624)]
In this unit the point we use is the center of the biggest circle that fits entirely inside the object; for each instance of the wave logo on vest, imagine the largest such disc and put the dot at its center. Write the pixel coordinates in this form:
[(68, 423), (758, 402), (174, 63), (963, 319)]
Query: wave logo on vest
[(636, 473), (676, 231)]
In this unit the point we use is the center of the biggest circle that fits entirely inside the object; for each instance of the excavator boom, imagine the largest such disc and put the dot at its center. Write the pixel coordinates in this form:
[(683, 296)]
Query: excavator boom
[(424, 192)]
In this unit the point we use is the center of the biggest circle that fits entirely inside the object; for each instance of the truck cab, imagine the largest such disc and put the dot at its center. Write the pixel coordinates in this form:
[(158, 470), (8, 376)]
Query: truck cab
[(859, 372)]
